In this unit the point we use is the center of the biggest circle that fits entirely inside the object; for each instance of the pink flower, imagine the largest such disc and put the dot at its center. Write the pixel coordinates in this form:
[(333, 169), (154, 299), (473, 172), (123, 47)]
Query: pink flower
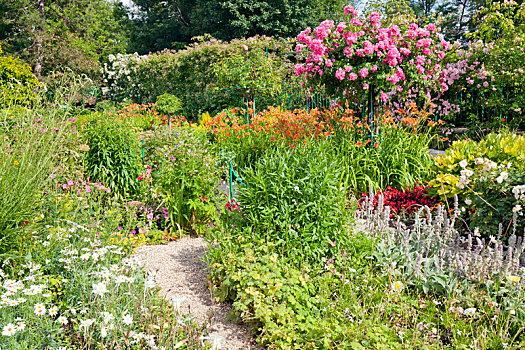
[(405, 51), (318, 47), (365, 86), (374, 68), (350, 10), (303, 36), (363, 72), (357, 22), (244, 47), (520, 70), (352, 76), (323, 30), (375, 18), (485, 83), (384, 96), (340, 74), (431, 27)]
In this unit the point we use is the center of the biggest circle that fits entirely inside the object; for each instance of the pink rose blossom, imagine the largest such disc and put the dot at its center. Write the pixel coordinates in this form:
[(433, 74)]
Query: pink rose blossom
[(431, 27), (352, 76), (340, 74)]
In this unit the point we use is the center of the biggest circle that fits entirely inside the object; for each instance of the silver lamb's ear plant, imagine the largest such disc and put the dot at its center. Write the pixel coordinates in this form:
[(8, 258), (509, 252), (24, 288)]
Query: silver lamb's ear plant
[(433, 247)]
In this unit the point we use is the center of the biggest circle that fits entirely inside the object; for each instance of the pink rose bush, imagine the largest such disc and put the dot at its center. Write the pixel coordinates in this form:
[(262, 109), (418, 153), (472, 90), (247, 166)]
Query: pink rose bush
[(355, 55)]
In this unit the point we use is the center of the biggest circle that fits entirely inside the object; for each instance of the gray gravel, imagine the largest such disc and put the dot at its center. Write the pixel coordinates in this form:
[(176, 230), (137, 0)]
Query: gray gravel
[(181, 275)]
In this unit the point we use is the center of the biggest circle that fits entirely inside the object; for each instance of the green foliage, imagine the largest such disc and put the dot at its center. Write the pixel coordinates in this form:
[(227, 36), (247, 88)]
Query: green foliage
[(185, 175), (400, 160), (114, 156), (504, 147), (73, 34), (173, 24), (294, 201), (17, 83), (169, 104), (499, 21), (249, 70), (189, 74)]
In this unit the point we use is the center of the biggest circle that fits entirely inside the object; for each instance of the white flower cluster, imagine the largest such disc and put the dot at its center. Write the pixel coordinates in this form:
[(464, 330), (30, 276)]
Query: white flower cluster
[(106, 269), (519, 192), (117, 74), (465, 174), (11, 328)]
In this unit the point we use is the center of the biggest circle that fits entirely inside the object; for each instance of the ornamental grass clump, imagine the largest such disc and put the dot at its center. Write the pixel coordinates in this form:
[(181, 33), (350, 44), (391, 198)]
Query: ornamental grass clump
[(29, 142)]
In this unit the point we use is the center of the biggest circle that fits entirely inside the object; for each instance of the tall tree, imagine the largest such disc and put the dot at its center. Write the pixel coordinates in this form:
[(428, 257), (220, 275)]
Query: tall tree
[(48, 34), (170, 23)]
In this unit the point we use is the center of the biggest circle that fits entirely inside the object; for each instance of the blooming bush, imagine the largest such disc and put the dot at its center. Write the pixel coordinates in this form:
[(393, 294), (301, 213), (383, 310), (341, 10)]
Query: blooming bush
[(359, 54), (403, 202), (484, 175), (486, 76), (147, 116)]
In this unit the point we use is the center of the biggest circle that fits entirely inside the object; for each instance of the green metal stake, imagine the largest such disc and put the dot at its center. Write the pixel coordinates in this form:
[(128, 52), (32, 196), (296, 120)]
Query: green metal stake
[(231, 181), (143, 155)]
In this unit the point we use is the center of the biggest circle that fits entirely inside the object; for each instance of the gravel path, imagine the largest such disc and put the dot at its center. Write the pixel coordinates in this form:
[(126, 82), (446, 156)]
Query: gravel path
[(181, 274)]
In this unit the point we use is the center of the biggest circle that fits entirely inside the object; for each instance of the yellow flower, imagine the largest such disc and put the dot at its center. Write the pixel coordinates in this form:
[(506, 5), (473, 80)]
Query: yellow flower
[(397, 286), (514, 279), (16, 162)]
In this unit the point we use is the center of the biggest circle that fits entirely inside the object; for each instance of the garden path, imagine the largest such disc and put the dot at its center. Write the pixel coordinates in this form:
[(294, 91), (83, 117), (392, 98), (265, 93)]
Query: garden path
[(181, 274)]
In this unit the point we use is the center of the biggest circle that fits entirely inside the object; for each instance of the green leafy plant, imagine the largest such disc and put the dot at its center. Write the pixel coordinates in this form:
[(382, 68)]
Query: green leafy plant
[(293, 199), (185, 175), (483, 175), (169, 104), (17, 83), (114, 156)]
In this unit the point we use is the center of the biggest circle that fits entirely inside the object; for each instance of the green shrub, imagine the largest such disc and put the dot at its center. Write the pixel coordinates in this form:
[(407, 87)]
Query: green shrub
[(114, 156), (293, 199), (188, 74), (17, 83), (169, 104)]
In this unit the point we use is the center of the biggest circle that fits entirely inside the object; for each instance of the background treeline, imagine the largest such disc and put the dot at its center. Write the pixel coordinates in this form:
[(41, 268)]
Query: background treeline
[(80, 34)]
